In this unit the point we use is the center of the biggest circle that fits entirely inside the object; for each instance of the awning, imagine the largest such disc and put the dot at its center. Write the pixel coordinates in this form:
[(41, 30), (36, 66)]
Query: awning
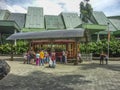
[(49, 34), (8, 27), (61, 41)]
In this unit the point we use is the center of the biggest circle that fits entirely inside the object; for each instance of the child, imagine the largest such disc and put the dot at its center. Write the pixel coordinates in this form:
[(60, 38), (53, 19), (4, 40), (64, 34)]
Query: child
[(25, 57), (37, 58), (52, 62), (66, 57), (46, 57)]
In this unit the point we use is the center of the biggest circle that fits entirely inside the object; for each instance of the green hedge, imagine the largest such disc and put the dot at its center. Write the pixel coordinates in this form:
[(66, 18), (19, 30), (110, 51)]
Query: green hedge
[(21, 47), (97, 47), (92, 47)]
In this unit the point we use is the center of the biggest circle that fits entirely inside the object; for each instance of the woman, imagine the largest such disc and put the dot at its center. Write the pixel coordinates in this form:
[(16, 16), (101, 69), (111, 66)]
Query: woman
[(79, 57), (53, 59), (37, 58)]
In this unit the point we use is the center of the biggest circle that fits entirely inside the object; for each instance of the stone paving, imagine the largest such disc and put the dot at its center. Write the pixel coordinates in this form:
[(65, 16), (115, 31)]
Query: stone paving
[(85, 76)]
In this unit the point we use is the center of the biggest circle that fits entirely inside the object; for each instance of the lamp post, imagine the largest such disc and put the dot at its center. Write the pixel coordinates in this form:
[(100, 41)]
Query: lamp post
[(108, 39)]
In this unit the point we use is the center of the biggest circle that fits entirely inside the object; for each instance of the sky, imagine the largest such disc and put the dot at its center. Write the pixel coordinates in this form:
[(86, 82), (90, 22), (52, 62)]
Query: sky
[(55, 7)]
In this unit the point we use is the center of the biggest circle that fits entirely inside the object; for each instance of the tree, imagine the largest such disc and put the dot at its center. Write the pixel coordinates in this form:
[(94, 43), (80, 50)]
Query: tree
[(86, 11)]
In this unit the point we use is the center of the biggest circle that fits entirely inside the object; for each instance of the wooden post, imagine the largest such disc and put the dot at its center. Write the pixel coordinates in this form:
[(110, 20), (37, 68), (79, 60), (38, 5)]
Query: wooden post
[(76, 50), (86, 38)]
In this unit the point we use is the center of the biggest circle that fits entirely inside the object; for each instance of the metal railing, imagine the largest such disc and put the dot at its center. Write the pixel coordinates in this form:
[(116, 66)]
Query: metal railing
[(86, 57)]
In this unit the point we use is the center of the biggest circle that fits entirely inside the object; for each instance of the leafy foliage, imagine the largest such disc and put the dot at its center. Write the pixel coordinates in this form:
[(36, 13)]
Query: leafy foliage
[(92, 47), (86, 11), (21, 47), (97, 47), (5, 48)]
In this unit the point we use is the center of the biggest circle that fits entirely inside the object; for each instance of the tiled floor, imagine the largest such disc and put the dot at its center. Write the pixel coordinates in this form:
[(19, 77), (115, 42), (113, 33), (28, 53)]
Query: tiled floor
[(85, 76)]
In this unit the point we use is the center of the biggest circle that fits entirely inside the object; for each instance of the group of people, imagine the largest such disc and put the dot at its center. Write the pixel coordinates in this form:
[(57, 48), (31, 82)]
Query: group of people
[(43, 57), (40, 57), (103, 57)]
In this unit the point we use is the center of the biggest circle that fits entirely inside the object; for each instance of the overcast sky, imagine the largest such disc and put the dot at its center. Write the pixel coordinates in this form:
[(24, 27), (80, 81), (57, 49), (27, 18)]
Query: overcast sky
[(55, 7)]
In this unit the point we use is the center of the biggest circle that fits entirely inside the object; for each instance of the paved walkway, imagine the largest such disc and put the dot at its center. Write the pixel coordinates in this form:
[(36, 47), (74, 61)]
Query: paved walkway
[(85, 76)]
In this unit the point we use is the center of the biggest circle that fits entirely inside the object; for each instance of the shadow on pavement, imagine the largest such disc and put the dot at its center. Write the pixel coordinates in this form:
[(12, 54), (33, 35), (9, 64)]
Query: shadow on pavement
[(42, 81), (114, 67)]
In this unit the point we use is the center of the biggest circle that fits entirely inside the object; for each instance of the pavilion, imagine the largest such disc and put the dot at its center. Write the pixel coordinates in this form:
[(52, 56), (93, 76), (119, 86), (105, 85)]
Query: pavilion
[(65, 28)]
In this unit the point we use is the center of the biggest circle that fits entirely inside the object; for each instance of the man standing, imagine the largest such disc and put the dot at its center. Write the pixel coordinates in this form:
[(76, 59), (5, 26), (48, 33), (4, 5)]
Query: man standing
[(106, 58)]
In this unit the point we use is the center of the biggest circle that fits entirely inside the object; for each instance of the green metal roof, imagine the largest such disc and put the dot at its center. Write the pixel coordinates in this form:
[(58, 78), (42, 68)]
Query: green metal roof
[(116, 23), (35, 18), (8, 26), (94, 27), (18, 18), (103, 20), (71, 20), (34, 21), (103, 32), (53, 22), (4, 14), (100, 18)]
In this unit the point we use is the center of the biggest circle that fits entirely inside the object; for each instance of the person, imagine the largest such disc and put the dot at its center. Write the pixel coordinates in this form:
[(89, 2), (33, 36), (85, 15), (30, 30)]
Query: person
[(66, 57), (52, 62), (28, 57), (46, 59), (42, 57), (101, 58), (25, 57), (37, 58), (106, 58), (79, 57), (32, 56), (63, 56)]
